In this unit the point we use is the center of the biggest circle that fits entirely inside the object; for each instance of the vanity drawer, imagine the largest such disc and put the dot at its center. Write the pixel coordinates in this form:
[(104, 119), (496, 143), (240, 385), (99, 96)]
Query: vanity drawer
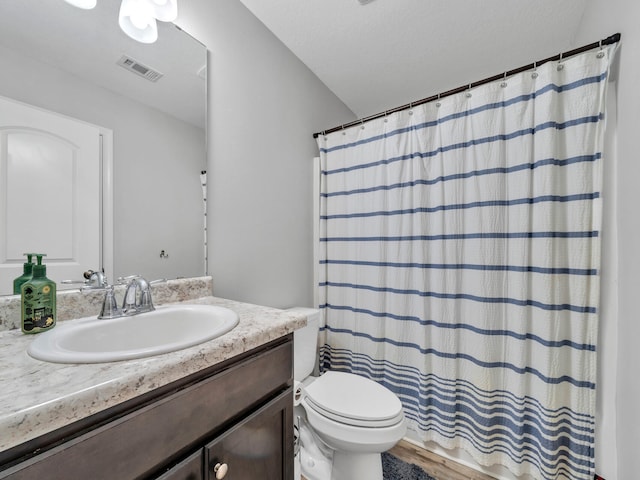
[(141, 442)]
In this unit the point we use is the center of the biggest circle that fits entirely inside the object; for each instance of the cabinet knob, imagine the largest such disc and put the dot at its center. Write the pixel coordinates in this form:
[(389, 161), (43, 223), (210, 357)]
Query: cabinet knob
[(220, 470)]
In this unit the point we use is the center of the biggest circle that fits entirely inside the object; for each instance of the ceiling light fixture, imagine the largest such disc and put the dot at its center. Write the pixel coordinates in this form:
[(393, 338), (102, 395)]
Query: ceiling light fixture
[(84, 4), (137, 18)]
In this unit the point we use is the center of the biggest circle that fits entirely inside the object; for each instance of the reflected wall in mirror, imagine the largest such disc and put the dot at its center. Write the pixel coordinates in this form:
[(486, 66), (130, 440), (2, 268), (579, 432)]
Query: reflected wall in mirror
[(65, 60)]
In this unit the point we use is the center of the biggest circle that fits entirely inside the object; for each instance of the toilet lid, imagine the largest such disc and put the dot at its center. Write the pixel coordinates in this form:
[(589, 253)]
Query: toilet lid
[(354, 400)]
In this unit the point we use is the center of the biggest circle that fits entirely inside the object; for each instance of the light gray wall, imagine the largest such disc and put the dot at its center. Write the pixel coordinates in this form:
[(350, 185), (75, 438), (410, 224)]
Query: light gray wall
[(264, 106), (603, 18), (157, 193)]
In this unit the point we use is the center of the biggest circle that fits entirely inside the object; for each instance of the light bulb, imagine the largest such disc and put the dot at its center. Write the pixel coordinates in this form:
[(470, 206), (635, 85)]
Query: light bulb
[(165, 10), (137, 20), (84, 4), (140, 20)]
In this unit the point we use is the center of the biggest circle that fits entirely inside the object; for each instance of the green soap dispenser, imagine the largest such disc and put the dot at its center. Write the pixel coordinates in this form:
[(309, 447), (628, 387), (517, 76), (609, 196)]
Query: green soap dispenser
[(38, 300), (26, 274)]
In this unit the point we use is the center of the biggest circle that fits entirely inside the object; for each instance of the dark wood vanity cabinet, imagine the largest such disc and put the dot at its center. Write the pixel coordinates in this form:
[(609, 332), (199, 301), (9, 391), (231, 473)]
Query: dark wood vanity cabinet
[(191, 468), (236, 416)]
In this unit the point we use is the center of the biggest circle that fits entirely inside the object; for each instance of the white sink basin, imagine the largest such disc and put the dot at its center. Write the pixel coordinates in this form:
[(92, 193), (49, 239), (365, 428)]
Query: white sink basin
[(164, 330)]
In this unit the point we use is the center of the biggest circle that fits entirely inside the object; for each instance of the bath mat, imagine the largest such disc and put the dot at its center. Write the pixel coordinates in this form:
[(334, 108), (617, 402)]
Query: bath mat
[(395, 469)]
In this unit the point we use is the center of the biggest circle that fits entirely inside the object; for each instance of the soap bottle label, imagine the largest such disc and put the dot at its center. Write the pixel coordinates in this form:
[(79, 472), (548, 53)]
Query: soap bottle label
[(38, 307)]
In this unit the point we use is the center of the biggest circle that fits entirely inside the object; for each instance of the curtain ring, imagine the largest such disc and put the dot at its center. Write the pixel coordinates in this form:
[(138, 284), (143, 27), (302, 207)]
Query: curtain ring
[(504, 80), (468, 95), (560, 65), (438, 104), (362, 124), (410, 112), (343, 132), (385, 117), (600, 53), (534, 74)]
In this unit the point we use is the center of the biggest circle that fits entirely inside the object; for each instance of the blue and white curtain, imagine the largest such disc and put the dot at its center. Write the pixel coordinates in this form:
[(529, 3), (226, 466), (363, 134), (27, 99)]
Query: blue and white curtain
[(460, 248)]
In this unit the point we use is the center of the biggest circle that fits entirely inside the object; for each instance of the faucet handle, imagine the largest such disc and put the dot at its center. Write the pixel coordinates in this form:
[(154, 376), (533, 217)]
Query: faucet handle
[(92, 280), (110, 307), (126, 280), (146, 303), (133, 294), (96, 279)]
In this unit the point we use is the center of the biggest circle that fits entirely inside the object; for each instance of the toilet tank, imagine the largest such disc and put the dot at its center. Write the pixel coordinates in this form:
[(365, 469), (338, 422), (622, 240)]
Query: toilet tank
[(305, 344)]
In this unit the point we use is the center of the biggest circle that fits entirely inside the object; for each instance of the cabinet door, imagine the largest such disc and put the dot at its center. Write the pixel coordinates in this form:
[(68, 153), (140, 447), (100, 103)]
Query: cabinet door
[(189, 469), (260, 446)]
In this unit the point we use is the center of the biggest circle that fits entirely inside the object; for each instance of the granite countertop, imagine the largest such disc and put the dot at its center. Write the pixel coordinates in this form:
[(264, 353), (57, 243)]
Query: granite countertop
[(38, 397)]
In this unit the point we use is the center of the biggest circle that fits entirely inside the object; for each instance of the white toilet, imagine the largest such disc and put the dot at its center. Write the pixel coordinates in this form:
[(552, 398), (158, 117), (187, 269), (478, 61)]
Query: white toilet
[(352, 419)]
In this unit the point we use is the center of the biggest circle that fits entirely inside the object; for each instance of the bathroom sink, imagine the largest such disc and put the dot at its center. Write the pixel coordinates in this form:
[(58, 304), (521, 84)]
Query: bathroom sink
[(166, 329)]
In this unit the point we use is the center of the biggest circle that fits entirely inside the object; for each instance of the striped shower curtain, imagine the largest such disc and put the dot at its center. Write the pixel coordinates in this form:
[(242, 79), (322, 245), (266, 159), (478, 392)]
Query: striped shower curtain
[(459, 257)]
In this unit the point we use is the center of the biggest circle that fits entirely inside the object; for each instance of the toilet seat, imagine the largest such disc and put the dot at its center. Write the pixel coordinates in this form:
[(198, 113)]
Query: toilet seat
[(354, 400)]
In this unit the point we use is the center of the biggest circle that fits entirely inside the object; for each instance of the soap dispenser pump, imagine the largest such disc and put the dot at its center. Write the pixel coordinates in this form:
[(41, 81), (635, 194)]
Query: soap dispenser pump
[(27, 272), (38, 300)]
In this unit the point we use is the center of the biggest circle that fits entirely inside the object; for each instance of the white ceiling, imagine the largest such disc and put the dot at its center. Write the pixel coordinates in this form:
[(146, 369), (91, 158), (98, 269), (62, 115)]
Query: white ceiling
[(388, 53)]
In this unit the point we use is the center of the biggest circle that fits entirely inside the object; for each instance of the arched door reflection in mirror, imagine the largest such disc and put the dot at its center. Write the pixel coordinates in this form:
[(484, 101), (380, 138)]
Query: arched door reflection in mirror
[(50, 172)]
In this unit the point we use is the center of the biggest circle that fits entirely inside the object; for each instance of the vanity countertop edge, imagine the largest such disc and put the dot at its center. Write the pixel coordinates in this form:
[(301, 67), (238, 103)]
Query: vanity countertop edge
[(39, 397)]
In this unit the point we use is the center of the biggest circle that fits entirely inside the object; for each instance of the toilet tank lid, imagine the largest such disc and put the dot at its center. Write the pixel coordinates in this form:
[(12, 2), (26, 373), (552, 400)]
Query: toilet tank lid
[(353, 396)]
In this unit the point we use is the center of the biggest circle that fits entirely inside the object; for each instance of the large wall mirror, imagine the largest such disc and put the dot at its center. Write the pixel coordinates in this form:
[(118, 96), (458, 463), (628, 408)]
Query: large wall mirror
[(151, 118)]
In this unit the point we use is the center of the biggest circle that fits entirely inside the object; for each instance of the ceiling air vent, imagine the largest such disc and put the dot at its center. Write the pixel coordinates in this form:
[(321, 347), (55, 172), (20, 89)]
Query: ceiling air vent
[(139, 69)]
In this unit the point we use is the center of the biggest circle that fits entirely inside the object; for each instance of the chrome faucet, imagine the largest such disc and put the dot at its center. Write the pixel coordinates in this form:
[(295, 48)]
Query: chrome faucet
[(137, 297)]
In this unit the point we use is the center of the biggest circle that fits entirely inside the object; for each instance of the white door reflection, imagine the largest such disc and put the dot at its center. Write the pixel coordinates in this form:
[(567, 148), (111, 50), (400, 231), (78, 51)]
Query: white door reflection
[(40, 191), (50, 179)]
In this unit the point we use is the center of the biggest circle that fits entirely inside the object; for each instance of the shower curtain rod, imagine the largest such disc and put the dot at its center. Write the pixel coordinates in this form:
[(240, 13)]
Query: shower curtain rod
[(607, 41)]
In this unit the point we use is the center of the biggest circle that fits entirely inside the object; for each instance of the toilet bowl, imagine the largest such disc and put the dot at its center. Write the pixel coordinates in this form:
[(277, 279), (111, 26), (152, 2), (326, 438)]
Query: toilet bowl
[(352, 416)]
